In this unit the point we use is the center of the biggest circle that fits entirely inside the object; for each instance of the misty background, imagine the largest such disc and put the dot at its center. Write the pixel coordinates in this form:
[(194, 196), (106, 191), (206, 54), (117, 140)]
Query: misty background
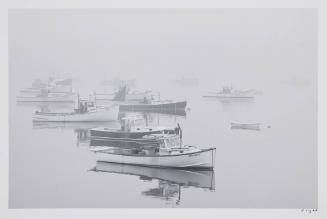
[(239, 47)]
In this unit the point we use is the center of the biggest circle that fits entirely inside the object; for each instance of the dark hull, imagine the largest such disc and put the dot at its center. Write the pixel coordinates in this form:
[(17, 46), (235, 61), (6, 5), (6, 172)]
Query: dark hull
[(123, 143), (173, 112), (121, 134), (173, 106)]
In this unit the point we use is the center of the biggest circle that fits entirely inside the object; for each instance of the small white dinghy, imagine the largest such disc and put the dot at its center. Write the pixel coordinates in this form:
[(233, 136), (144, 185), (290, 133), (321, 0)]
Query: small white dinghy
[(89, 112), (170, 154), (251, 126)]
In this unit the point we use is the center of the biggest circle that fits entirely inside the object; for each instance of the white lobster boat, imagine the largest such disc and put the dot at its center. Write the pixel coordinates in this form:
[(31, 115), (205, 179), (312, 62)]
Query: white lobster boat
[(91, 113), (170, 154)]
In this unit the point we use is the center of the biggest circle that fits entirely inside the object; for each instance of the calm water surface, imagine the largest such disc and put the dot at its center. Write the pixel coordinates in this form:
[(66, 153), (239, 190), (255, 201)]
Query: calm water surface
[(51, 165)]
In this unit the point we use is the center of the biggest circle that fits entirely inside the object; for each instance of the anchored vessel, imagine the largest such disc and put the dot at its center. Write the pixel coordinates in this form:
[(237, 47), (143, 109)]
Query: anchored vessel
[(128, 131), (228, 92), (52, 91), (156, 106), (251, 126), (169, 153), (86, 112)]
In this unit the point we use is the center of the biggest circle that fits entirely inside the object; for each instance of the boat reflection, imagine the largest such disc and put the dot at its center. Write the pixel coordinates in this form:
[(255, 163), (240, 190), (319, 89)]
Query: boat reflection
[(170, 181)]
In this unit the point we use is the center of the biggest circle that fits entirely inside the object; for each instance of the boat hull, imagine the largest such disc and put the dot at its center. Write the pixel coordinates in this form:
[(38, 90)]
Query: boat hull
[(170, 106), (175, 112), (100, 115), (121, 135), (122, 143), (202, 159)]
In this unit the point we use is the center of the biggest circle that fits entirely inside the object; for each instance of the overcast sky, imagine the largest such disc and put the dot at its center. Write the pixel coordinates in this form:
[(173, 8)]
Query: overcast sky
[(231, 45)]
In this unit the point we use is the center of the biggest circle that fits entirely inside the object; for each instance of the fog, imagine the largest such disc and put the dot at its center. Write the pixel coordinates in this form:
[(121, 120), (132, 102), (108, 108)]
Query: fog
[(239, 47)]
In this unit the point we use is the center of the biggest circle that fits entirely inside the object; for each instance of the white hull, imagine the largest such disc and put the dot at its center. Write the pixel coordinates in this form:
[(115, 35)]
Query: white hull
[(99, 115), (200, 159), (52, 98)]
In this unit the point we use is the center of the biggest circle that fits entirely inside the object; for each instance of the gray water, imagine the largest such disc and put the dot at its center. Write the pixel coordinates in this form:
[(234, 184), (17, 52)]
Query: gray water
[(271, 168)]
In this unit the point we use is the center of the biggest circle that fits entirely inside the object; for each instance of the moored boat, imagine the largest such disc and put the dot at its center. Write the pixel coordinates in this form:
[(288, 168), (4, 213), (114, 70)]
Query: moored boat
[(169, 154), (251, 126), (128, 131), (87, 111), (52, 86), (228, 92), (98, 115), (160, 106)]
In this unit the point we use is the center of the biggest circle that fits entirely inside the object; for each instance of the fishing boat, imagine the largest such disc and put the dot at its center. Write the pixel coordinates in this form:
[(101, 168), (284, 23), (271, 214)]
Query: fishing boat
[(170, 153), (45, 96), (228, 92), (159, 111), (128, 130), (251, 126), (87, 112), (155, 106)]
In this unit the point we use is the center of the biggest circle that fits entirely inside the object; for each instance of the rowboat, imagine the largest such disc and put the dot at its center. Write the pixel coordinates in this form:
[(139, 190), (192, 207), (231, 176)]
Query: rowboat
[(251, 126), (48, 97), (170, 154), (188, 178), (229, 93)]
